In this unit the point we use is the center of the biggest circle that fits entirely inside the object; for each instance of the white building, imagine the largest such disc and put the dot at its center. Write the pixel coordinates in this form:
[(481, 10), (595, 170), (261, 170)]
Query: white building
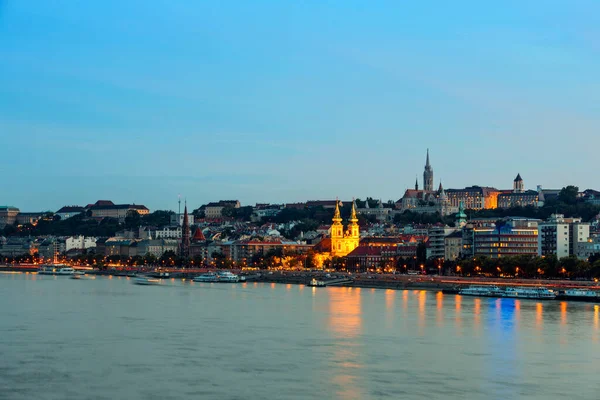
[(157, 247), (79, 242), (168, 232), (436, 247), (562, 236)]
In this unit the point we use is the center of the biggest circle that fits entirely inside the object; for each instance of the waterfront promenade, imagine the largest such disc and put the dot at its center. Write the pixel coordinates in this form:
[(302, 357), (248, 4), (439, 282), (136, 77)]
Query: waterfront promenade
[(364, 280)]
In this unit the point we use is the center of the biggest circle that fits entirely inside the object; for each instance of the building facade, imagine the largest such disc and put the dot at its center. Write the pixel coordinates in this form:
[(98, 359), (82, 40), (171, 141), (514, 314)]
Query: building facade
[(513, 238), (474, 197), (215, 210), (563, 237), (344, 241), (118, 211), (8, 215)]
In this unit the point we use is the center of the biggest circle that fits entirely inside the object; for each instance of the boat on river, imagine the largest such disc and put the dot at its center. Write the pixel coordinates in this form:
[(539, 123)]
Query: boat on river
[(538, 293), (482, 291), (316, 283), (146, 280), (206, 277), (579, 295), (78, 275), (219, 276), (55, 269), (226, 276)]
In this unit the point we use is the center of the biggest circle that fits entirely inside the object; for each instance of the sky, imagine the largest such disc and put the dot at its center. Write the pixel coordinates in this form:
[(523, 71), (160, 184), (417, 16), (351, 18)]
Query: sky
[(138, 101)]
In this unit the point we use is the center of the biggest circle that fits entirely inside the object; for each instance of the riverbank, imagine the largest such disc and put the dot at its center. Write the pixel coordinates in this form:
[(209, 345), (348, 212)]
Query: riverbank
[(375, 281)]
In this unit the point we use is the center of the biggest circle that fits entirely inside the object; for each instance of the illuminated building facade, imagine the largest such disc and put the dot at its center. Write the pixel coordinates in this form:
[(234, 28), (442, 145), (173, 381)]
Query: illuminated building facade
[(344, 241), (512, 238), (474, 197), (519, 197)]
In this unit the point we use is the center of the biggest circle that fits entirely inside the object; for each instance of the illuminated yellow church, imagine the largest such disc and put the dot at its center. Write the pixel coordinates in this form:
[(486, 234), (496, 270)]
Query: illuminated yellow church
[(343, 242)]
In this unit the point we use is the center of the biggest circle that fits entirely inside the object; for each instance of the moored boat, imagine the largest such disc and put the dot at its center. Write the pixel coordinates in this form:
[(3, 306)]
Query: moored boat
[(55, 269), (538, 293), (316, 283), (206, 277), (226, 276), (579, 295), (482, 291)]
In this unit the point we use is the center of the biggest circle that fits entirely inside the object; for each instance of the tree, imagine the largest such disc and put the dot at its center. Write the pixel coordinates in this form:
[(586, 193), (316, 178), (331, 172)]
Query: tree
[(568, 194), (228, 211), (158, 218), (243, 213), (9, 230), (133, 220)]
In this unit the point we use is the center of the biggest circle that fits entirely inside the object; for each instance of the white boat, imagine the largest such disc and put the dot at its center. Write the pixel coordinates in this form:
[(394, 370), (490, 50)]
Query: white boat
[(206, 277), (482, 291), (146, 280), (226, 276), (315, 283), (539, 293), (580, 295), (55, 269)]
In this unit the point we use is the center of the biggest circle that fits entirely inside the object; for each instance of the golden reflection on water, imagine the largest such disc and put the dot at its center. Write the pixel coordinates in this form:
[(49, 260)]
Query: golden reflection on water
[(477, 313), (422, 298), (288, 287), (517, 311), (345, 323), (390, 298), (439, 305), (344, 311), (273, 285), (457, 315), (563, 312), (539, 315)]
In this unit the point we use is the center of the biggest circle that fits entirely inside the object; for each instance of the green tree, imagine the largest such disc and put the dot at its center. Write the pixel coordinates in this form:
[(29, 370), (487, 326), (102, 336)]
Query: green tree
[(132, 220), (568, 194)]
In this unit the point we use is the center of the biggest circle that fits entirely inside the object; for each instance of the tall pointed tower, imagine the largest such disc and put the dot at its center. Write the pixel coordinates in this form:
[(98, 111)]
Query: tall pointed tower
[(343, 242), (428, 176), (461, 217), (518, 186), (353, 226), (184, 247)]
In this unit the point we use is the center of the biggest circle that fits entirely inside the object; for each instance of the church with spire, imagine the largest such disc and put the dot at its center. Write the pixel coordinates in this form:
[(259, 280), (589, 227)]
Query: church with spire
[(343, 241), (426, 200), (184, 246)]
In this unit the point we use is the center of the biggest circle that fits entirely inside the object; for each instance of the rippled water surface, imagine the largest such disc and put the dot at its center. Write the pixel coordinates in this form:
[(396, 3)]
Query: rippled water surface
[(106, 338)]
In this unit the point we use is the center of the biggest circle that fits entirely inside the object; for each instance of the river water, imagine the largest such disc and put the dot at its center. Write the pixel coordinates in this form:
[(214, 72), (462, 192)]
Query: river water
[(106, 338)]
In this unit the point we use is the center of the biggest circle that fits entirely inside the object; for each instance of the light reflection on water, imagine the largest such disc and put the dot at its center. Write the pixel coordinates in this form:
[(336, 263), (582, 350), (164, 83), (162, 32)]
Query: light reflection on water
[(103, 338)]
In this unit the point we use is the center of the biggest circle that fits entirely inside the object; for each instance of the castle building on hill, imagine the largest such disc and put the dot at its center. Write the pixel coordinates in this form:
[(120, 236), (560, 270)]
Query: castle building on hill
[(426, 200), (344, 241)]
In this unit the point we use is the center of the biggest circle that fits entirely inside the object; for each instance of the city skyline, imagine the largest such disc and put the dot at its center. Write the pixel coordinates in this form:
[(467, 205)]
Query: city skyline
[(118, 101)]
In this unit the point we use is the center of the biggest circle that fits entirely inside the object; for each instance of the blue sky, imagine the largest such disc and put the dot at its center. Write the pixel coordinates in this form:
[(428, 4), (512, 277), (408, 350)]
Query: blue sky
[(281, 101)]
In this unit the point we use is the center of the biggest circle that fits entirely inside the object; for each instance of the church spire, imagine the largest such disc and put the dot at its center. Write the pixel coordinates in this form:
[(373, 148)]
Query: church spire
[(428, 176), (185, 234), (416, 183), (337, 217), (353, 218)]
